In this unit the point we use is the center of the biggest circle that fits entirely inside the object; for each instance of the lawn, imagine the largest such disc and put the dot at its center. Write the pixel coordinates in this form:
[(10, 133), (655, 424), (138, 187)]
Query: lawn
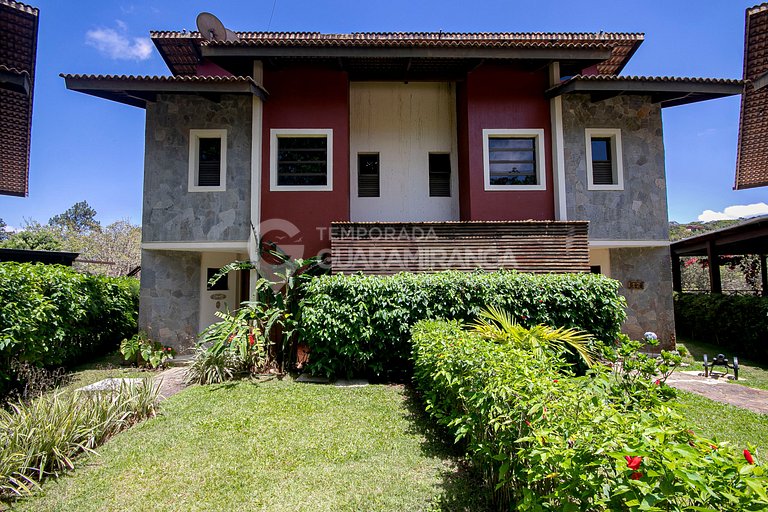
[(271, 446), (751, 373), (109, 366)]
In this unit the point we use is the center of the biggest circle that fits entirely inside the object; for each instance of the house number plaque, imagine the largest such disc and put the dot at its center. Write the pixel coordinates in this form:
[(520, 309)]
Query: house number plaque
[(635, 285), (218, 296)]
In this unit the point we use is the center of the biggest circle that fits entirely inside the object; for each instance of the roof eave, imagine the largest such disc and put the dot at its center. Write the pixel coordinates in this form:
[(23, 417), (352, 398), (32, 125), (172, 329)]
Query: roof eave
[(138, 91), (667, 94)]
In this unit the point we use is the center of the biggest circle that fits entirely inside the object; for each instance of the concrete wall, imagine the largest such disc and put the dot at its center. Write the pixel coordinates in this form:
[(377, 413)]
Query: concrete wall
[(169, 301), (501, 97), (403, 123), (650, 308), (171, 212), (639, 212)]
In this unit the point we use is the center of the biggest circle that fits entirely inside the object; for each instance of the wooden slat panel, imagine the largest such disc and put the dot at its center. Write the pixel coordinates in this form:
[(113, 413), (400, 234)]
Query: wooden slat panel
[(527, 246)]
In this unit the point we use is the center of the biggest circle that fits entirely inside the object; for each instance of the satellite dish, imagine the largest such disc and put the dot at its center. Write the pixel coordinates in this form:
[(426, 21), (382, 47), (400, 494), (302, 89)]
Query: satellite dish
[(213, 29)]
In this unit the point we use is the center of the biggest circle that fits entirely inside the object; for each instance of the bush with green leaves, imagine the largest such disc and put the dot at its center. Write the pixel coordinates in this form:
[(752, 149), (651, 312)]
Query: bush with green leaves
[(144, 352), (360, 324), (550, 440), (738, 323), (40, 438), (52, 315)]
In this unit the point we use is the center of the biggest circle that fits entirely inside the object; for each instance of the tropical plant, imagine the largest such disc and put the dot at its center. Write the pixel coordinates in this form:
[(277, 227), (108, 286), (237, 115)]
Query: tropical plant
[(143, 351), (499, 326)]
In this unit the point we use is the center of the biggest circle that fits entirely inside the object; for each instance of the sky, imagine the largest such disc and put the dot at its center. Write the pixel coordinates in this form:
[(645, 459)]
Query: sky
[(87, 148)]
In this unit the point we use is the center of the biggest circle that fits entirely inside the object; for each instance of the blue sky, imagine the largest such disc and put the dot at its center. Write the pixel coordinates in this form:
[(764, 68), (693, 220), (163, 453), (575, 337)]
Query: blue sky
[(86, 148)]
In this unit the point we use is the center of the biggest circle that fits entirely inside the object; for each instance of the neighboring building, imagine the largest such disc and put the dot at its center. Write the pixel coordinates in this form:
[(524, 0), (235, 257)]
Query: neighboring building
[(33, 256), (752, 163), (290, 132), (18, 47)]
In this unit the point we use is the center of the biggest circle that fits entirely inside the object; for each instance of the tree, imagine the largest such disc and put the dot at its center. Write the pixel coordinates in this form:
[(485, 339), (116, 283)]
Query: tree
[(79, 218), (3, 233), (34, 236)]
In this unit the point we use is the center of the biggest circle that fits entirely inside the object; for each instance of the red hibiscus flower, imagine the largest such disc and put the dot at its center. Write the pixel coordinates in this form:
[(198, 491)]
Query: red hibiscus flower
[(636, 475), (633, 463), (749, 457)]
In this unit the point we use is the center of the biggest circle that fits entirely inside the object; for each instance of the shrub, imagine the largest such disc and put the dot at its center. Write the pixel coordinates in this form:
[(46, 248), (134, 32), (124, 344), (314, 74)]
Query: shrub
[(144, 352), (41, 437), (360, 325), (53, 315), (548, 440), (738, 323)]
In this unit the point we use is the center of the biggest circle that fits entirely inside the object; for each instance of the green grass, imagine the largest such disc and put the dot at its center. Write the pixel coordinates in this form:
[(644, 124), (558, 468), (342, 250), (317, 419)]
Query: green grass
[(725, 422), (752, 374), (272, 446)]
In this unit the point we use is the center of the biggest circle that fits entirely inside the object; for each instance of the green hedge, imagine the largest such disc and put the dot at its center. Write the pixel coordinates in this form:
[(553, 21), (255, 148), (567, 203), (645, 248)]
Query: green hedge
[(738, 323), (360, 325), (547, 440), (52, 315)]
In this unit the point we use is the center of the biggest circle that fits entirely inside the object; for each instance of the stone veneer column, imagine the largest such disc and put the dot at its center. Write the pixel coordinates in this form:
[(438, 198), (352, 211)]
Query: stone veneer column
[(169, 300), (650, 308)]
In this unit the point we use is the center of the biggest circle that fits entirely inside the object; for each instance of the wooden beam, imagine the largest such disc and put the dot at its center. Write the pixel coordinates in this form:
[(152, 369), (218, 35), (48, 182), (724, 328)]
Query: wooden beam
[(715, 284), (591, 54), (677, 280)]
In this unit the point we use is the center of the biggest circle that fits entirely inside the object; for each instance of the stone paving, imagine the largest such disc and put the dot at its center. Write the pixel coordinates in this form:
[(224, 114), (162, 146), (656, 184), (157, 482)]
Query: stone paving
[(719, 389)]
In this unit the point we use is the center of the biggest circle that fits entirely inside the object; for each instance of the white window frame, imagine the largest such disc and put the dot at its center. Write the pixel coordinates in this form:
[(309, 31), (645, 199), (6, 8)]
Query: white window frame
[(524, 133), (194, 155), (618, 160), (276, 133)]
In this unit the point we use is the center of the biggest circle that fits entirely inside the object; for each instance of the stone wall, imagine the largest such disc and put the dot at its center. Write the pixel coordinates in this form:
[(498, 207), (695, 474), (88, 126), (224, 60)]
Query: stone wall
[(639, 212), (169, 301), (650, 308), (171, 213)]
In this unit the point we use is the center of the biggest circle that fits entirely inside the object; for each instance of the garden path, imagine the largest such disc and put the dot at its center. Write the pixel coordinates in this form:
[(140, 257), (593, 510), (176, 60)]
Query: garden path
[(720, 390), (171, 381)]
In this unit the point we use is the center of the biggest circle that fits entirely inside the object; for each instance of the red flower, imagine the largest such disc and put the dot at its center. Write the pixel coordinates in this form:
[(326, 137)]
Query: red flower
[(749, 457), (528, 423), (633, 463), (251, 339), (657, 382), (555, 381), (636, 475)]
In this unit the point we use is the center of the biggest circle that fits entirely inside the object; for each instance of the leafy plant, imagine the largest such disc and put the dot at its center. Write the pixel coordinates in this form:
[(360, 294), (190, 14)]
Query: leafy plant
[(499, 326), (360, 324), (142, 351), (261, 334), (41, 438), (52, 315), (549, 440)]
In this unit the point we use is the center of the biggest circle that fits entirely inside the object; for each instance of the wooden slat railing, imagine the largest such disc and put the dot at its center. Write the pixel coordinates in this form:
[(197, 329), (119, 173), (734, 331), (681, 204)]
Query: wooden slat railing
[(527, 246)]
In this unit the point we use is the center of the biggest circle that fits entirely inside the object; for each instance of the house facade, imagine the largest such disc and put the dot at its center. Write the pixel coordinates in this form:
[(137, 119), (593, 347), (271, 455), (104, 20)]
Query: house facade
[(277, 136)]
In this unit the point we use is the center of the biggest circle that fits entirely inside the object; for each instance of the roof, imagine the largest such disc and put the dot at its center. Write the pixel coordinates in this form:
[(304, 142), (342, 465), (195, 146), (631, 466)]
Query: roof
[(748, 237), (139, 90), (752, 159), (609, 51), (665, 90), (18, 48), (33, 256)]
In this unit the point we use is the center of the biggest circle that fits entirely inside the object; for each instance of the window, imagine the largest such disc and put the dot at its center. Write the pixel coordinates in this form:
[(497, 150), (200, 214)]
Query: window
[(368, 175), (220, 285), (514, 159), (301, 160), (207, 160), (439, 175), (604, 160)]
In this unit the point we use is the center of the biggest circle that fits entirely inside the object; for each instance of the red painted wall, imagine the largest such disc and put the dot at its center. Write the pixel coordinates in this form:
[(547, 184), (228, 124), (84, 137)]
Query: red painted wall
[(496, 96), (307, 98)]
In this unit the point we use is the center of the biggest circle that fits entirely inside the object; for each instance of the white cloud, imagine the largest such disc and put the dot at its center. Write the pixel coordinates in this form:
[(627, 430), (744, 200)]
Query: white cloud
[(737, 211), (116, 44)]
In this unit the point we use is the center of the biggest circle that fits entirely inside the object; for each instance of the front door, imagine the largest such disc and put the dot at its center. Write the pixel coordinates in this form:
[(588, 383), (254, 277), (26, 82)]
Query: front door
[(403, 152)]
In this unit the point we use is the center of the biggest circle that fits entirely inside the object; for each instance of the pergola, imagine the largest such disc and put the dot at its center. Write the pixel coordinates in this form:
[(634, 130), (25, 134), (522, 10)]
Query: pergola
[(750, 237)]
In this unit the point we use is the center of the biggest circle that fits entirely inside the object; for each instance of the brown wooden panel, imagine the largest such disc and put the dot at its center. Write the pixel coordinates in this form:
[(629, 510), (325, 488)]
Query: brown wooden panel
[(527, 246)]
